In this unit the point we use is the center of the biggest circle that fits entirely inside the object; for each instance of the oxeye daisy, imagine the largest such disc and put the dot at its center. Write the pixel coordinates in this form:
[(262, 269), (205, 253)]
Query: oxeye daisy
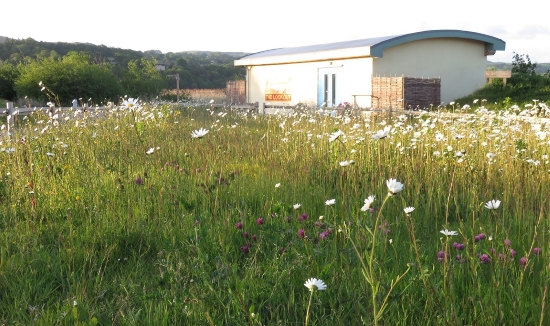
[(199, 133), (492, 204), (367, 204), (335, 135), (315, 284), (394, 186), (448, 233), (408, 210)]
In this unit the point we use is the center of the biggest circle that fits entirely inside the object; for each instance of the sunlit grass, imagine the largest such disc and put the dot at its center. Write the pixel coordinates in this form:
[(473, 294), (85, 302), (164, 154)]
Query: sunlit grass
[(161, 215)]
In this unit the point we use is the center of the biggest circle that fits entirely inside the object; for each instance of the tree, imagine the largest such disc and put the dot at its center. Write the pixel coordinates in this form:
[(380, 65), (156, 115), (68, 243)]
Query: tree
[(142, 79), (71, 77), (181, 62), (521, 64), (8, 74)]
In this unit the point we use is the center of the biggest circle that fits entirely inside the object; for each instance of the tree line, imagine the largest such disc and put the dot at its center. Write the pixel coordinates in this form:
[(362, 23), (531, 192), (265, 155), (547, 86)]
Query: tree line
[(81, 70)]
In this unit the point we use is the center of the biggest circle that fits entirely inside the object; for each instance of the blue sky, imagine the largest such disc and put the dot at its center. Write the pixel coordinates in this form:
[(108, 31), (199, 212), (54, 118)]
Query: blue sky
[(256, 25)]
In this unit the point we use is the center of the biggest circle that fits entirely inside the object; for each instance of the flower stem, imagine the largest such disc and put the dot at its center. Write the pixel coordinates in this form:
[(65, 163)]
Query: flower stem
[(309, 305), (374, 278)]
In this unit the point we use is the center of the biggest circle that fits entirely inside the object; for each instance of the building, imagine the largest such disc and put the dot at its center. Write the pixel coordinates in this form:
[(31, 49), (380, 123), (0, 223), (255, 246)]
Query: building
[(161, 66), (338, 73)]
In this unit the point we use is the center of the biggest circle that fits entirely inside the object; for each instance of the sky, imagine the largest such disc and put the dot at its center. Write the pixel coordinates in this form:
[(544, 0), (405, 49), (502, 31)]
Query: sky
[(256, 25)]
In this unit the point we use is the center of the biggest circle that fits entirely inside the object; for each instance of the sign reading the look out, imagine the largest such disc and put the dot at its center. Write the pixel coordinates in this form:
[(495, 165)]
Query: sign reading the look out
[(278, 90)]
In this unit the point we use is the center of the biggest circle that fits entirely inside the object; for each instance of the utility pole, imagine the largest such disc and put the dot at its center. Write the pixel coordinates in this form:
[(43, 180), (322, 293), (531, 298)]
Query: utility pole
[(177, 75)]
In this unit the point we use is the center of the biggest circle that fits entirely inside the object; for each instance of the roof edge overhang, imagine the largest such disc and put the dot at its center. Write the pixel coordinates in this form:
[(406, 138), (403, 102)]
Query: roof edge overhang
[(492, 44), (346, 53)]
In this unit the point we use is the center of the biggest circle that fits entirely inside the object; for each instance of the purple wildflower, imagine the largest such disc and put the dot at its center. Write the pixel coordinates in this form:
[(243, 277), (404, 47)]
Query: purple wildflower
[(523, 261), (254, 237), (245, 234), (479, 237), (260, 221), (458, 246), (239, 225), (139, 181), (507, 242), (303, 217), (301, 233), (537, 251), (441, 255), (323, 235), (485, 259), (512, 253), (244, 249), (458, 257)]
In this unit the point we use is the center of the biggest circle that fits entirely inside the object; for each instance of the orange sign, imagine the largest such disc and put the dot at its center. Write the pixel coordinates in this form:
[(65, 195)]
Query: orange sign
[(278, 97), (278, 90)]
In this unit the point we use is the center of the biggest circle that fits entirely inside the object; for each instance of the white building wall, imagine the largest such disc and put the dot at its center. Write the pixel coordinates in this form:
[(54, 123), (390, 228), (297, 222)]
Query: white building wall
[(353, 78), (460, 63)]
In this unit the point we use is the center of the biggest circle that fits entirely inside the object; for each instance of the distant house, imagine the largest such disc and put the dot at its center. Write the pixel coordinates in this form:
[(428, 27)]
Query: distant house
[(336, 73), (161, 66), (112, 60)]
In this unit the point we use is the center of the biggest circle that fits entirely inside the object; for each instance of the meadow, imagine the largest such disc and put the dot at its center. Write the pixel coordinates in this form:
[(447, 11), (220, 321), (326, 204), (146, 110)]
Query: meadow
[(155, 214)]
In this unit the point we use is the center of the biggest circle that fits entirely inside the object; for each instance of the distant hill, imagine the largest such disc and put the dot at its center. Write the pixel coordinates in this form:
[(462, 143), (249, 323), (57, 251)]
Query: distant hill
[(542, 68), (15, 49), (196, 69)]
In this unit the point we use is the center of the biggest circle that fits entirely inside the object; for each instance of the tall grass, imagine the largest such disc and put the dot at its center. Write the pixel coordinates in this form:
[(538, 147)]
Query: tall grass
[(126, 219)]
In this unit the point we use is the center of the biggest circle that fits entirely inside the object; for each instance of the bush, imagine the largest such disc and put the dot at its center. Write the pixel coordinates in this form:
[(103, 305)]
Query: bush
[(74, 76), (8, 74)]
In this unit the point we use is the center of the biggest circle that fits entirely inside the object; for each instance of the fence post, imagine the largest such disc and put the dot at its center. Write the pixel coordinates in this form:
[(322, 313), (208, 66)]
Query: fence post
[(10, 112)]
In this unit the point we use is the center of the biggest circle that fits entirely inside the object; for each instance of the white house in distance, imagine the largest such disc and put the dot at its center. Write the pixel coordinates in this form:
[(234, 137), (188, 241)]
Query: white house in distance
[(336, 73)]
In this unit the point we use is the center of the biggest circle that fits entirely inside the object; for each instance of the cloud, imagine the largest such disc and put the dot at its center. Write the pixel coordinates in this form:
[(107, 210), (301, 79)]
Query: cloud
[(496, 30), (531, 31)]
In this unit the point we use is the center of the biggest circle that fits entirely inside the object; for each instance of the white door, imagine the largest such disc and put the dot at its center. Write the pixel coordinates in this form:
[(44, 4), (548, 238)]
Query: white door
[(327, 87)]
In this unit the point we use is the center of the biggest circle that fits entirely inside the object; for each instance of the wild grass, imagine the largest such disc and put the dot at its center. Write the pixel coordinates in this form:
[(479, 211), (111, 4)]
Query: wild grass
[(218, 95), (125, 219), (520, 90)]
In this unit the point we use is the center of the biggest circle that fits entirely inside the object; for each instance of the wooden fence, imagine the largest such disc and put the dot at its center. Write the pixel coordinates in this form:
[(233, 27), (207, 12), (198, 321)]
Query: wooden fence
[(405, 92), (235, 92)]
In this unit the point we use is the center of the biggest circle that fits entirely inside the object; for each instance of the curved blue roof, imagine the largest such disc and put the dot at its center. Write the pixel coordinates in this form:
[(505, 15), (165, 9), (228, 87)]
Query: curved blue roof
[(491, 43), (371, 47)]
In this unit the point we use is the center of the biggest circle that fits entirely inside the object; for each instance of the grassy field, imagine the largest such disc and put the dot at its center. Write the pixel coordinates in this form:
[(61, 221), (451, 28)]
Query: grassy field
[(199, 96), (142, 218)]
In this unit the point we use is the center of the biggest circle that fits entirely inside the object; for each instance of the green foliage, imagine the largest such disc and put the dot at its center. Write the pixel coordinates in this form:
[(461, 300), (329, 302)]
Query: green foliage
[(16, 51), (8, 75), (196, 69), (142, 79), (71, 77), (521, 64), (541, 67), (523, 87), (202, 69)]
